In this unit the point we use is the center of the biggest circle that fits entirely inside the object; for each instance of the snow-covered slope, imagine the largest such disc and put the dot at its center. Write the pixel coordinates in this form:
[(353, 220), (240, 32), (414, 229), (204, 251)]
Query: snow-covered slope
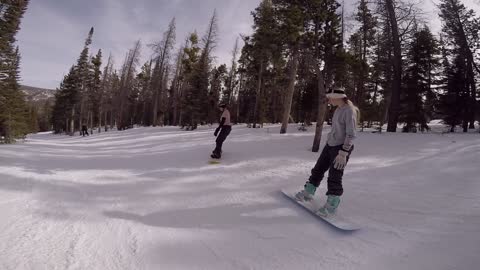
[(148, 199)]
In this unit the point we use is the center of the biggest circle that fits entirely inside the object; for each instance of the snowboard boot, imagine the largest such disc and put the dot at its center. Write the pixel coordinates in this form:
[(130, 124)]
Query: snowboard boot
[(307, 193), (216, 155), (330, 207)]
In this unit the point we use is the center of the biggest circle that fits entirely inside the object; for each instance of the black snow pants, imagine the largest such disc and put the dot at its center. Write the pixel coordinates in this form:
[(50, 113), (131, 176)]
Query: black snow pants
[(85, 131), (324, 164), (221, 138)]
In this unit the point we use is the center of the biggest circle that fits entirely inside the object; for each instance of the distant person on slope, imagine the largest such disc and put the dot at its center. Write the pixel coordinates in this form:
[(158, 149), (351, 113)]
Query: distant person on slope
[(336, 153), (85, 131), (224, 129)]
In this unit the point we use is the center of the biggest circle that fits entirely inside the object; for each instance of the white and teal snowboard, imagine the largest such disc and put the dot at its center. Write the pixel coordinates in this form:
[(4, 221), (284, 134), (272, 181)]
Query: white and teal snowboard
[(337, 221)]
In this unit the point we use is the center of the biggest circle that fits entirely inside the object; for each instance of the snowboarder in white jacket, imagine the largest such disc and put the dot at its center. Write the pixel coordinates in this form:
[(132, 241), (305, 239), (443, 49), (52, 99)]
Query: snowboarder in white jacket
[(336, 153), (222, 131)]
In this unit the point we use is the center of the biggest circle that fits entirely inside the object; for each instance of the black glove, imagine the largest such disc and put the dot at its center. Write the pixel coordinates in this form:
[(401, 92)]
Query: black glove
[(216, 131)]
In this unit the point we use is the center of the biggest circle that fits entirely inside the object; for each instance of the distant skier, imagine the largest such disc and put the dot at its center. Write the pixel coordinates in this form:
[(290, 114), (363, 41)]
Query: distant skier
[(336, 153), (85, 131), (224, 129)]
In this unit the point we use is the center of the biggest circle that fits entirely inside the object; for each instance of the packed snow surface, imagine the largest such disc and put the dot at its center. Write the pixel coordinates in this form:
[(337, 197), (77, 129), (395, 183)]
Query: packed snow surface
[(147, 198)]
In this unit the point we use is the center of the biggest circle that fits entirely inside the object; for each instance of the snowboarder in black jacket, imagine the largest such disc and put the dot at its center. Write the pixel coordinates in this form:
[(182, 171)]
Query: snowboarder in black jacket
[(222, 131), (85, 131)]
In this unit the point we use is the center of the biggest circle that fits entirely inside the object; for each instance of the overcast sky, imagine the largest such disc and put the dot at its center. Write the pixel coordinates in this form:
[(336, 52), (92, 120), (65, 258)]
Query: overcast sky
[(53, 31)]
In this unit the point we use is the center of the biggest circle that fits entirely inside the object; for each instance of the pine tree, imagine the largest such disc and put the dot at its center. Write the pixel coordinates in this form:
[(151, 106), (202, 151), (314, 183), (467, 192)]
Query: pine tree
[(33, 119), (72, 98), (13, 110), (163, 53), (422, 64), (247, 93), (113, 98), (105, 95), (83, 80), (325, 39), (455, 96), (144, 79), (127, 93), (360, 57), (307, 89), (199, 67), (189, 99), (14, 115), (44, 121), (265, 44), (291, 18), (394, 108), (218, 80), (203, 73), (462, 29), (177, 85), (94, 91), (231, 82), (261, 51), (396, 26), (66, 98)]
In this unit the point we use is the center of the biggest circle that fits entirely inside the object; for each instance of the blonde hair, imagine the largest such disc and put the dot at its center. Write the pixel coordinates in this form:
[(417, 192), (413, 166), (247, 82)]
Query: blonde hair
[(355, 109)]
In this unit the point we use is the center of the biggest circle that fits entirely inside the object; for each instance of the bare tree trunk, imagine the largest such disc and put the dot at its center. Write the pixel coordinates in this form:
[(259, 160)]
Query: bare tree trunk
[(100, 121), (159, 93), (258, 96), (112, 118), (175, 107), (106, 121), (177, 83), (287, 106), (66, 126), (82, 121), (240, 88), (156, 89), (322, 109), (72, 122), (388, 100), (468, 54), (394, 108), (274, 104), (275, 95), (101, 109), (90, 121), (471, 81), (233, 70), (164, 101), (126, 83), (374, 101), (122, 95), (164, 48), (178, 103)]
